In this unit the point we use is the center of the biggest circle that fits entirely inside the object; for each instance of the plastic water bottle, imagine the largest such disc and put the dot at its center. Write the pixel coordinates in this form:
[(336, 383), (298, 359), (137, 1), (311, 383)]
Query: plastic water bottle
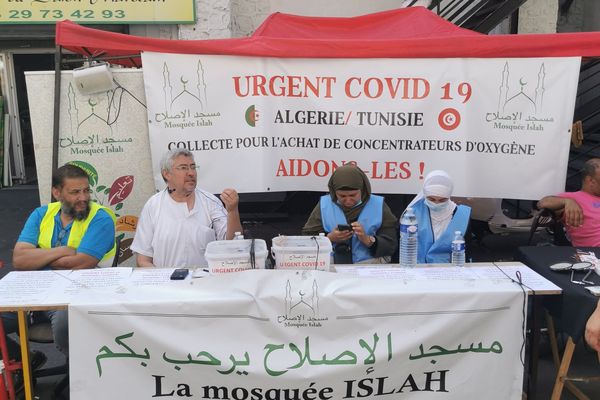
[(458, 250), (238, 236), (408, 238)]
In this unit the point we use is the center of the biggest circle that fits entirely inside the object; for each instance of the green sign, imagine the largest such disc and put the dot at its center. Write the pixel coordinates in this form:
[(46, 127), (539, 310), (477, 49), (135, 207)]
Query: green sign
[(98, 11)]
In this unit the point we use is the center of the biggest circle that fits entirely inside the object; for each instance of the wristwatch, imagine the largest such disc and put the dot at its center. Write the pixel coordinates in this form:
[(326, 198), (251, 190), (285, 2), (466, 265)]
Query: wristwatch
[(372, 241)]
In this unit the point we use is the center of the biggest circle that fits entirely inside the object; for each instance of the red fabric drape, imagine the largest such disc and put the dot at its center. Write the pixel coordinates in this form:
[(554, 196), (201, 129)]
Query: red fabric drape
[(405, 33)]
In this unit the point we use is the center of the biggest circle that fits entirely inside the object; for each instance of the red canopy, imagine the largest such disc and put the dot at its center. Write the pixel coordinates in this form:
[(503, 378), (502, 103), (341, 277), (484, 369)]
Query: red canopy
[(404, 33), (403, 23)]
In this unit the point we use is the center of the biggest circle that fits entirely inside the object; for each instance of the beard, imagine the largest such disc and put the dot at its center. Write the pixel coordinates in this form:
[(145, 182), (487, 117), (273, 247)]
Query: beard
[(78, 215)]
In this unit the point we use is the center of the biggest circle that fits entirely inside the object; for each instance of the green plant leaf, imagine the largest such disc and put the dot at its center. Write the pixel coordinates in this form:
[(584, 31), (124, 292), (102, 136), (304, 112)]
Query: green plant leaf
[(100, 188), (118, 206)]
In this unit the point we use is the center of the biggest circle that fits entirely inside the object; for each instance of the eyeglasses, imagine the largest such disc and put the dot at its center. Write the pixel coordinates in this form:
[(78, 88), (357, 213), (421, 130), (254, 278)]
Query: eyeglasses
[(186, 168), (579, 266), (60, 238)]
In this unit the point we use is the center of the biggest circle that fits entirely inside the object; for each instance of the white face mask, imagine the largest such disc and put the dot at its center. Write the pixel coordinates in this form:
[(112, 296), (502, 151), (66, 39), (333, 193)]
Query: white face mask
[(353, 207), (436, 207)]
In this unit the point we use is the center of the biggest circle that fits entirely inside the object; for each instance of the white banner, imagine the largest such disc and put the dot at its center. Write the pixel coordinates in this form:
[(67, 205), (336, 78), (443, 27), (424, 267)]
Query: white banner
[(500, 127), (300, 335)]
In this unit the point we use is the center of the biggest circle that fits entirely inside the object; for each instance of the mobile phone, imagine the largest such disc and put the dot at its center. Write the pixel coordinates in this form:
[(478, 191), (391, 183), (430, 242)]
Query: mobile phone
[(179, 274), (344, 227)]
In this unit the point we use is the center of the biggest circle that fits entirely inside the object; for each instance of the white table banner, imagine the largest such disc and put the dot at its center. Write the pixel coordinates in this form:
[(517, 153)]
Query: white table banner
[(500, 127), (300, 335)]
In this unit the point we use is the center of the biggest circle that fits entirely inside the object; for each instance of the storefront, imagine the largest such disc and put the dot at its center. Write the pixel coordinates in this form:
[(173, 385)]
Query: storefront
[(27, 36), (23, 48)]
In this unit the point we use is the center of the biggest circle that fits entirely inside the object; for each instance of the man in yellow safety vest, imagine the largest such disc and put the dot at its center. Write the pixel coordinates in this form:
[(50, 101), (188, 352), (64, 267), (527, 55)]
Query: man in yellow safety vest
[(71, 233)]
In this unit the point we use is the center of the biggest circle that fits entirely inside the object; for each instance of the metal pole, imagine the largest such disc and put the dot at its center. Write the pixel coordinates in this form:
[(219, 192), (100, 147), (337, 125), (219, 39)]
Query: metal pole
[(56, 126), (90, 59)]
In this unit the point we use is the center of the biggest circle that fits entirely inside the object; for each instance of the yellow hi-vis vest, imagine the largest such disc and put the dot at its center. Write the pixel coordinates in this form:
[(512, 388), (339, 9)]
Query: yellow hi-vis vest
[(78, 229)]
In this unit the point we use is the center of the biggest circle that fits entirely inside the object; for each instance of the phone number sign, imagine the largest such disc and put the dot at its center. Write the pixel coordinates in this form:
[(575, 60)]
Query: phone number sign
[(98, 11)]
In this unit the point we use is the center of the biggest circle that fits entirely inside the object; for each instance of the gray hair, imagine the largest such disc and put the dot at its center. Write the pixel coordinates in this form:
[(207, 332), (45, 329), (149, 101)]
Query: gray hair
[(166, 164), (590, 167)]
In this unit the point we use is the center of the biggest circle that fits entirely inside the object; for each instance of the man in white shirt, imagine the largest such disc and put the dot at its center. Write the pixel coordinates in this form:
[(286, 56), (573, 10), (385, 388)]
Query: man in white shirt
[(177, 223)]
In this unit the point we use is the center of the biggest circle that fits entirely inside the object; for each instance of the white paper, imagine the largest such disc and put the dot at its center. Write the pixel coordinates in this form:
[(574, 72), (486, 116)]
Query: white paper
[(32, 287), (530, 278), (97, 278), (492, 273), (150, 276)]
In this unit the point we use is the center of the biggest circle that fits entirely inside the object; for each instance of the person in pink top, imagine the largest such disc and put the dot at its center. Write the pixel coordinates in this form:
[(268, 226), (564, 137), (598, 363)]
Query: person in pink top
[(580, 210)]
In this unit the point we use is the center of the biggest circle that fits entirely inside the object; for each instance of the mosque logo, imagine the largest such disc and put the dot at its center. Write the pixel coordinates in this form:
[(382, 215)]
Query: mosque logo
[(519, 99), (96, 126), (301, 302), (99, 114), (520, 105), (184, 90), (301, 305), (184, 98)]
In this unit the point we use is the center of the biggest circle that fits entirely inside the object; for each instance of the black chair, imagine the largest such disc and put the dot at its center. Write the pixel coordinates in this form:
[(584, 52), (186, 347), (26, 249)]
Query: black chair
[(548, 219), (41, 332)]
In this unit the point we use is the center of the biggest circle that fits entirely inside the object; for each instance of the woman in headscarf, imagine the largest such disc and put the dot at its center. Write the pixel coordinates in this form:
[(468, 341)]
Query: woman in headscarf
[(438, 218), (361, 227)]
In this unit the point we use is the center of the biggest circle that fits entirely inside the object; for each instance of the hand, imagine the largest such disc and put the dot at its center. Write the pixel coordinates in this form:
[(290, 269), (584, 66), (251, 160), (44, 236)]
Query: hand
[(592, 330), (360, 233), (337, 236), (66, 252), (573, 214), (230, 198)]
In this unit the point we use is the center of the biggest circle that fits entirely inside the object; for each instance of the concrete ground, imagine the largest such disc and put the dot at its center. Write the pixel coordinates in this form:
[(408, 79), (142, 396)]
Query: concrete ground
[(16, 204)]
